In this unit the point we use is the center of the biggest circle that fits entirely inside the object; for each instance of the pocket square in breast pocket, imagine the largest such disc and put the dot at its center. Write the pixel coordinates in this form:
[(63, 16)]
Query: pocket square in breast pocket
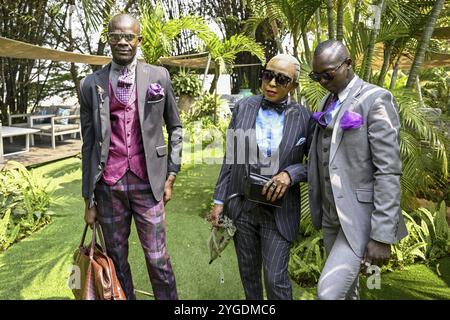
[(300, 141)]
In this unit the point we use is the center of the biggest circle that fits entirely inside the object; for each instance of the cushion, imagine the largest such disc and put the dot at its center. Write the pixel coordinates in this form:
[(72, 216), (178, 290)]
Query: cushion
[(40, 112), (62, 112), (47, 128)]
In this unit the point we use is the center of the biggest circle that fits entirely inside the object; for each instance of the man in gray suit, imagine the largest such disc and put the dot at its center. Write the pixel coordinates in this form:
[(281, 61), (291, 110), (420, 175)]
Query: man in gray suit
[(354, 171), (278, 131), (126, 170)]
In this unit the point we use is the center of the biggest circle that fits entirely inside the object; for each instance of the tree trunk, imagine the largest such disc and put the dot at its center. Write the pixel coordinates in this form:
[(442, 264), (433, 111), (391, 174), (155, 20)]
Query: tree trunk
[(275, 31), (318, 32), (212, 89), (367, 62), (423, 43), (330, 14), (306, 46), (386, 62), (340, 21), (395, 73), (356, 20)]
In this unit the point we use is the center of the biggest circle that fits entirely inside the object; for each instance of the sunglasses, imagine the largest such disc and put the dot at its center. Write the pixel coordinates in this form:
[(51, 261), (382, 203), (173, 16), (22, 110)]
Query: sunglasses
[(280, 79), (114, 37), (327, 75)]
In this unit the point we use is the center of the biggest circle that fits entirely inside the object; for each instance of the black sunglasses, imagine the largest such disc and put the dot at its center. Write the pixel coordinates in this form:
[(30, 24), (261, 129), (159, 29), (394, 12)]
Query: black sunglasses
[(114, 37), (327, 75), (280, 79)]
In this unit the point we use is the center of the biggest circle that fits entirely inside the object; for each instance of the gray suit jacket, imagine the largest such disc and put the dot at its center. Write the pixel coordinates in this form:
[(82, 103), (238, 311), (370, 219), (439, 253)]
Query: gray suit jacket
[(95, 127), (365, 170), (292, 150)]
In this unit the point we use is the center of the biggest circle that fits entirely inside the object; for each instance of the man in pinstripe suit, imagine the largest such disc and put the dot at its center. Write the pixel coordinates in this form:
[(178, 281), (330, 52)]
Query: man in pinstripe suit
[(354, 172), (277, 129)]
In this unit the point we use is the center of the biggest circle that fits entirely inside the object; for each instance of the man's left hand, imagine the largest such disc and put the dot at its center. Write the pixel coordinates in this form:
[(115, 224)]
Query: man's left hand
[(168, 186), (377, 253), (277, 186)]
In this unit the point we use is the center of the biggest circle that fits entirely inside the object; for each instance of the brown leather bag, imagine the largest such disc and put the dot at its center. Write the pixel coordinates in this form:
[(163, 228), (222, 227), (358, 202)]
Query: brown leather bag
[(98, 279)]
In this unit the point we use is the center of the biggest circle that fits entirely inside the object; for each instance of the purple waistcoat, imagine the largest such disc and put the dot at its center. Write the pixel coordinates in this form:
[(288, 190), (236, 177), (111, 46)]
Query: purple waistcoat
[(126, 150)]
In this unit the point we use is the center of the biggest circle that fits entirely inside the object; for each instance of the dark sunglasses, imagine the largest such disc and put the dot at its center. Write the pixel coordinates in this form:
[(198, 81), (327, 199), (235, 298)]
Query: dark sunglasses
[(280, 79), (114, 37), (327, 75)]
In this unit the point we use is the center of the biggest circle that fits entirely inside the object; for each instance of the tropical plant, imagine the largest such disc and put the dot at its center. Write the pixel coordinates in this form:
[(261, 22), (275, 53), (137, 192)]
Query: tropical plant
[(307, 256), (24, 203), (186, 83), (428, 238), (223, 53), (159, 34)]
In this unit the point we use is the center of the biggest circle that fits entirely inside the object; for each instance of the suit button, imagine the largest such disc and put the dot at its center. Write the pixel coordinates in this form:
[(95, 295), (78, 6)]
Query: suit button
[(325, 164), (340, 196), (325, 149)]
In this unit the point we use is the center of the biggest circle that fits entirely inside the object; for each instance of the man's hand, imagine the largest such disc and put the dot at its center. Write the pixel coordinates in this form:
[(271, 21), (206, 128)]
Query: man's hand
[(90, 214), (168, 187), (377, 253), (277, 186), (213, 216)]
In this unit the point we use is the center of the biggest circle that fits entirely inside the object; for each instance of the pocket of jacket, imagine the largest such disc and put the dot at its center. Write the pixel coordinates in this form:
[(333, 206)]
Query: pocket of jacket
[(155, 101), (364, 195), (161, 150)]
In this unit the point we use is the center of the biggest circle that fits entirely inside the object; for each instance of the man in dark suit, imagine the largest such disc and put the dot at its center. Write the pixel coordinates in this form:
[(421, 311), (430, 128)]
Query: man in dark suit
[(277, 129), (126, 170)]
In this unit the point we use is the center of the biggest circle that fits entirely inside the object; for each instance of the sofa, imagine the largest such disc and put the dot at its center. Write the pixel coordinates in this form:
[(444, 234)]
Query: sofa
[(51, 121)]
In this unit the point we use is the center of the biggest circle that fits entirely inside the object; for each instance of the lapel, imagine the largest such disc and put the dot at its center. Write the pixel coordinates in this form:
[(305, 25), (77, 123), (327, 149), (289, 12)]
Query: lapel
[(143, 79), (102, 91), (316, 129), (336, 138)]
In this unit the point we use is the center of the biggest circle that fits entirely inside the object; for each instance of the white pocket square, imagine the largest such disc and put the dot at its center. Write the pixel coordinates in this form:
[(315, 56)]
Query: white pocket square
[(300, 141)]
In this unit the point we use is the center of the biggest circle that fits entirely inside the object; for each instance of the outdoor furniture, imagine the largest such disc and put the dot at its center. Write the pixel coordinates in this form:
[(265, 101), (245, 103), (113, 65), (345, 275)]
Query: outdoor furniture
[(51, 121), (6, 132)]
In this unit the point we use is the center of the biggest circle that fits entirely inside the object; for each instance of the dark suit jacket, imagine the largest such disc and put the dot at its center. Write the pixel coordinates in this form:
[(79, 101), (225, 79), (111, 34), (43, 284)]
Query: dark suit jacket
[(95, 127), (297, 126)]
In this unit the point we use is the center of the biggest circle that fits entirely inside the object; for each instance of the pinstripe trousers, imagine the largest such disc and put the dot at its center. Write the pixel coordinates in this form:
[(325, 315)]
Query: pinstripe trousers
[(259, 245)]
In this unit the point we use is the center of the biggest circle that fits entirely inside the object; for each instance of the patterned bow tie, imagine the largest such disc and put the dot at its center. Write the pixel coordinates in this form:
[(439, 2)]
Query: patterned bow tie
[(278, 107), (124, 84)]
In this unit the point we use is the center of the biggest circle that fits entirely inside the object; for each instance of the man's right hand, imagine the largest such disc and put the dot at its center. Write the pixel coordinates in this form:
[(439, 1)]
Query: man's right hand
[(213, 216), (90, 214)]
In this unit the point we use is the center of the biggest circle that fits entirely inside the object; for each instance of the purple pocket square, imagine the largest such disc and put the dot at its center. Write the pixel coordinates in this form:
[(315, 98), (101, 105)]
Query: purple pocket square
[(155, 91), (351, 120)]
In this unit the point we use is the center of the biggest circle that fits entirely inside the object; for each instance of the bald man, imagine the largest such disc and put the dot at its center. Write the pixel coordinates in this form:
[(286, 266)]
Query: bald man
[(277, 129), (127, 169), (354, 172)]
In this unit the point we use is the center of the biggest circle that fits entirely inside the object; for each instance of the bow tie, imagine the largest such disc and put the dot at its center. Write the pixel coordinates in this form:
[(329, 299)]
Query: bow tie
[(278, 107)]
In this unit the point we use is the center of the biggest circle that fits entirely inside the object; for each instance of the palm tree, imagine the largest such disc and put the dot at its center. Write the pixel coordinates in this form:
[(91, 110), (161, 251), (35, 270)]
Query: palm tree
[(330, 14), (223, 53), (423, 45), (340, 21), (159, 34)]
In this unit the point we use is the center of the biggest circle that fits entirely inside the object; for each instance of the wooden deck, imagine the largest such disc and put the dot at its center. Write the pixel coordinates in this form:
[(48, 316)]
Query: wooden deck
[(42, 151)]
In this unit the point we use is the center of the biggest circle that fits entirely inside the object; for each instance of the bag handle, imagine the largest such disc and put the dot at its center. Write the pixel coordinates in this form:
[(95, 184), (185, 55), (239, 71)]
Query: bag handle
[(95, 229)]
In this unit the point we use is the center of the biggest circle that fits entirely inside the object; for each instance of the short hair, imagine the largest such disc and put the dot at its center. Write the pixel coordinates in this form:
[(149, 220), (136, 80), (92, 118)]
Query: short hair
[(291, 59), (339, 49), (124, 15)]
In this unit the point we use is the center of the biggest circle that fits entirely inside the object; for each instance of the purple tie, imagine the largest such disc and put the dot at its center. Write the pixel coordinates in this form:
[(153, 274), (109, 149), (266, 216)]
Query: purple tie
[(325, 117), (124, 85)]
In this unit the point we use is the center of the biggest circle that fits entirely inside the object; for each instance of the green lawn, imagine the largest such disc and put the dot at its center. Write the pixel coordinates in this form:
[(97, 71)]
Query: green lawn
[(37, 267)]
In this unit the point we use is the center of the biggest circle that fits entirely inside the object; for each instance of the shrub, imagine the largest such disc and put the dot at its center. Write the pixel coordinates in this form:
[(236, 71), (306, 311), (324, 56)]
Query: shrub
[(24, 204), (186, 83)]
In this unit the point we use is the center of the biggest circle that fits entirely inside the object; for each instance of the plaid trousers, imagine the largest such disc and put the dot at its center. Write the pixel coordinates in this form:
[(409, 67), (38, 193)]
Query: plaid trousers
[(132, 197)]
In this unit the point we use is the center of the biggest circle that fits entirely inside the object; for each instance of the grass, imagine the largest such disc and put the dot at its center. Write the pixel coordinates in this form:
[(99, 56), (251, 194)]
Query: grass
[(38, 266)]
